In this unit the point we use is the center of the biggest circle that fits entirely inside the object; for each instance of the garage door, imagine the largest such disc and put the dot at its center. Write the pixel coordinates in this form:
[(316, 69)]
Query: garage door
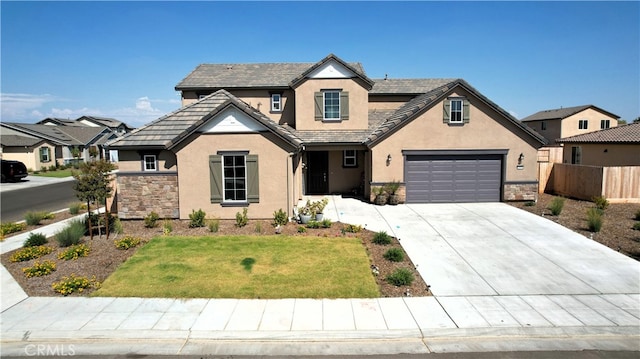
[(453, 178)]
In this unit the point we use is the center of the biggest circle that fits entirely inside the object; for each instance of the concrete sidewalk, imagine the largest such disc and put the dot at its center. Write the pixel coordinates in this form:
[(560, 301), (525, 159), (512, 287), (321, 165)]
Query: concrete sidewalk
[(513, 311)]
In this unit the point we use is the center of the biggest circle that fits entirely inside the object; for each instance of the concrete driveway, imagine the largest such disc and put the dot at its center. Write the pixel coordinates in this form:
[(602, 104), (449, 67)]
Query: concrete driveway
[(493, 249)]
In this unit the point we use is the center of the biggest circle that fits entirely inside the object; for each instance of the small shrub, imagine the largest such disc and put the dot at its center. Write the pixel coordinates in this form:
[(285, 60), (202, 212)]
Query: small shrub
[(71, 234), (11, 227), (313, 224), (530, 203), (151, 220), (117, 226), (302, 229), (127, 242), (594, 219), (39, 269), (29, 253), (214, 225), (326, 223), (196, 218), (167, 227), (400, 277), (258, 228), (280, 218), (74, 283), (98, 222), (601, 202), (34, 218), (556, 205), (394, 255), (636, 216), (351, 228), (74, 208), (242, 219), (74, 252), (52, 168), (35, 239), (636, 226), (381, 238)]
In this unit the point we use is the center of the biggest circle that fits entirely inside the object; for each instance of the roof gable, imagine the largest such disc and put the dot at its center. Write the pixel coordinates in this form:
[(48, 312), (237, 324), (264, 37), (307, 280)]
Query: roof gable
[(333, 67), (620, 134), (232, 120)]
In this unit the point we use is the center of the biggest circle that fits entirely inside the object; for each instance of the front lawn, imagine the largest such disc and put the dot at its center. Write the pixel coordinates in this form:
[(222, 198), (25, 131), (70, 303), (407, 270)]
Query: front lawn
[(245, 267), (56, 174)]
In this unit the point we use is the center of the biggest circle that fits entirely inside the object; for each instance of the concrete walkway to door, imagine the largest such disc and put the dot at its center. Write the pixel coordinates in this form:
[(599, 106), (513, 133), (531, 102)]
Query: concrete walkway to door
[(480, 249)]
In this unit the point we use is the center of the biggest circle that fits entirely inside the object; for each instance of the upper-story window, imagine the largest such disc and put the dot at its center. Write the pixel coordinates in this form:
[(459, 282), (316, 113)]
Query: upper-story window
[(456, 110), (583, 124), (605, 124), (150, 163), (332, 105), (543, 126), (276, 102)]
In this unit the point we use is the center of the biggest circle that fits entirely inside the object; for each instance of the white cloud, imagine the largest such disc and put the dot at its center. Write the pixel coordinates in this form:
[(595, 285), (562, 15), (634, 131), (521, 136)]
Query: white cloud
[(18, 106)]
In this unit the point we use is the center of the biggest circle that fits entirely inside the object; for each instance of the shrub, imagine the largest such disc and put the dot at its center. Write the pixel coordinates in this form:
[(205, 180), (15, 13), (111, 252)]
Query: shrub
[(280, 218), (151, 220), (39, 269), (326, 223), (313, 224), (351, 228), (400, 277), (11, 227), (35, 239), (381, 238), (197, 218), (601, 202), (636, 226), (556, 205), (73, 283), (530, 203), (74, 208), (394, 255), (167, 227), (98, 222), (242, 219), (74, 252), (29, 253), (637, 215), (117, 226), (258, 228), (71, 234), (34, 218), (214, 225), (301, 229), (127, 242), (594, 219), (52, 168)]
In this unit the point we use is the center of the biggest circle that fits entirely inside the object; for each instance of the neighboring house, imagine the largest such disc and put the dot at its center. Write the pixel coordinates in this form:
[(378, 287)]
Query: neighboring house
[(570, 121), (118, 127), (616, 146), (262, 136), (34, 152)]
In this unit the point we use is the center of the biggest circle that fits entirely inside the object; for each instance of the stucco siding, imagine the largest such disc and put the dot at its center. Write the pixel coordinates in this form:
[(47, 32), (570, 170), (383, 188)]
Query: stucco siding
[(606, 154), (131, 161), (571, 123)]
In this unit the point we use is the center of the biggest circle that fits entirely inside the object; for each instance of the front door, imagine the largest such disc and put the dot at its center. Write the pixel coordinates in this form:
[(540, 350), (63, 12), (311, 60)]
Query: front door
[(317, 172)]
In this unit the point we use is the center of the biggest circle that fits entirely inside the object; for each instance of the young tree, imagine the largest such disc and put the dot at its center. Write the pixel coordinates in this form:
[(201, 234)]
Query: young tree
[(93, 186)]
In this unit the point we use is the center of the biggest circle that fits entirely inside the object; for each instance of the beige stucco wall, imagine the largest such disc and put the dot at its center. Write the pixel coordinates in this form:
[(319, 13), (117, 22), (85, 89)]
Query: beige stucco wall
[(615, 155), (131, 161), (486, 130), (344, 179), (274, 163), (552, 132), (570, 124), (305, 105)]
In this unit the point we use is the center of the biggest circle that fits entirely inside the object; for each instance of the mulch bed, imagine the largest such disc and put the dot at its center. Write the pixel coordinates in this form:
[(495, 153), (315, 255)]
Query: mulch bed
[(105, 258)]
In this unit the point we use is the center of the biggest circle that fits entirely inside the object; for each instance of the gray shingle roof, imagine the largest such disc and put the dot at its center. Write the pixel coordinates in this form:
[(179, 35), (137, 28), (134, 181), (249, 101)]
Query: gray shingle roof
[(561, 113), (18, 141), (407, 86), (169, 130), (621, 134)]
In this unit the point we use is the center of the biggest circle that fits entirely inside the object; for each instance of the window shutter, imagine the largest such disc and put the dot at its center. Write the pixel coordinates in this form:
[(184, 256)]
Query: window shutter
[(446, 111), (319, 102), (344, 105), (215, 178), (253, 179), (465, 111)]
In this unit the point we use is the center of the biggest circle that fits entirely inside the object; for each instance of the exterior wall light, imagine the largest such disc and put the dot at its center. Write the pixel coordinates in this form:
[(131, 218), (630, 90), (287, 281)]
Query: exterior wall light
[(388, 159)]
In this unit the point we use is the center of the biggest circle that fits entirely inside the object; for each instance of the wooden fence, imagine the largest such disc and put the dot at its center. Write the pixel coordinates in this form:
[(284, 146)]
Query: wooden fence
[(547, 157), (617, 184)]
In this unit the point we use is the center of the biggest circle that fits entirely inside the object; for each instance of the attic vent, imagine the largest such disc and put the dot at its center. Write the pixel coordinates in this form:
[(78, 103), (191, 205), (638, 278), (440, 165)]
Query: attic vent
[(229, 67)]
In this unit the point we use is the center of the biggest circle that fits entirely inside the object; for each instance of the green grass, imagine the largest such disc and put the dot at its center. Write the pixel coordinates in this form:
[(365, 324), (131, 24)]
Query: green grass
[(245, 267), (56, 174)]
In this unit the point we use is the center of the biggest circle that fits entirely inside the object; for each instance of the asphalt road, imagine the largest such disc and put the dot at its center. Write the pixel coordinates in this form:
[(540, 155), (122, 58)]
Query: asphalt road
[(14, 204)]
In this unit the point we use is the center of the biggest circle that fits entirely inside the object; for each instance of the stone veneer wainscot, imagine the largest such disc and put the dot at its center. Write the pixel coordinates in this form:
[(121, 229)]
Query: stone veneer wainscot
[(140, 193)]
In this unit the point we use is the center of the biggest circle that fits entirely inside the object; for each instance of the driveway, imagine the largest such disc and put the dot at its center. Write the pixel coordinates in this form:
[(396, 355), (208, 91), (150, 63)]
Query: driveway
[(489, 249)]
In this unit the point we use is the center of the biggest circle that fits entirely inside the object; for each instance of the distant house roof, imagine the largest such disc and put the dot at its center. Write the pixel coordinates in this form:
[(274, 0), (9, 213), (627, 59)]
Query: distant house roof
[(171, 129), (64, 135), (59, 122), (18, 141), (621, 134), (561, 113), (103, 121)]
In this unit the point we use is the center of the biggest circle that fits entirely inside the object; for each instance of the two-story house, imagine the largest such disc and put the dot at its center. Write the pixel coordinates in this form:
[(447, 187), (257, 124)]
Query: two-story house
[(263, 136), (570, 121)]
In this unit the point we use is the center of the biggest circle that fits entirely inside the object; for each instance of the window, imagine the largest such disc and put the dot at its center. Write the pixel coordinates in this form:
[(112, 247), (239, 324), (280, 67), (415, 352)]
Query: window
[(543, 125), (150, 163), (456, 111), (583, 124), (331, 105), (234, 178), (276, 102), (45, 154), (576, 155), (350, 158), (605, 124)]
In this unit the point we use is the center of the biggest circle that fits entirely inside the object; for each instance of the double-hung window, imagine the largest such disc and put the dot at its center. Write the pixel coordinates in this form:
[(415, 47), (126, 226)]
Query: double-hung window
[(150, 163), (234, 178), (604, 124), (45, 154), (583, 124), (276, 102), (456, 111), (331, 105), (350, 158)]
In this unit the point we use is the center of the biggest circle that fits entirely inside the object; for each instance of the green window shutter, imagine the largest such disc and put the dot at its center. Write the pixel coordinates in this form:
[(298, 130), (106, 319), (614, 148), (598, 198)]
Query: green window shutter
[(465, 111), (319, 106), (446, 111), (344, 105), (253, 179), (215, 178)]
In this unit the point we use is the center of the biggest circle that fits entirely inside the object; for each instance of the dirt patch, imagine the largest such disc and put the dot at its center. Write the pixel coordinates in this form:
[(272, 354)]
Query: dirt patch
[(105, 258), (617, 230)]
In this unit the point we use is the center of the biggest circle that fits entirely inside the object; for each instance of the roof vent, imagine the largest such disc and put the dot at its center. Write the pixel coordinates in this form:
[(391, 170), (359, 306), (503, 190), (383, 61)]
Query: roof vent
[(229, 67)]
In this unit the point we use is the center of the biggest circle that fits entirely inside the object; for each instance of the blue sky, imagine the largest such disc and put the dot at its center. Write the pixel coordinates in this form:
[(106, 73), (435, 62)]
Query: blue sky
[(123, 59)]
